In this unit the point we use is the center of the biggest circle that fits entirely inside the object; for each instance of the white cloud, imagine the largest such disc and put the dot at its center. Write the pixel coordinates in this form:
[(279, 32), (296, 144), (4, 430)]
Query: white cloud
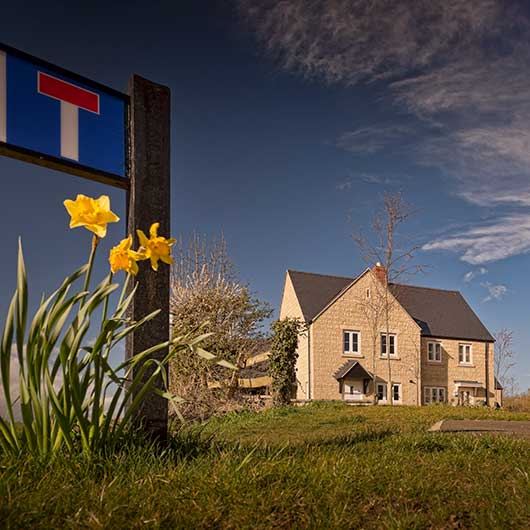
[(462, 67), (369, 140), (344, 185), (493, 241), (364, 40), (468, 276), (495, 292)]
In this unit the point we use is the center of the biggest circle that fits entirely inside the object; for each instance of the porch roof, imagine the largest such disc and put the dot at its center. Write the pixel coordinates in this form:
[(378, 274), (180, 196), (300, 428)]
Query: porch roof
[(469, 384), (352, 368)]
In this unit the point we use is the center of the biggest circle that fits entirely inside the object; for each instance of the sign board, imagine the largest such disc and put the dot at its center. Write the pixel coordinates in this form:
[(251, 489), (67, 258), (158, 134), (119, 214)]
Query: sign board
[(55, 118), (58, 119)]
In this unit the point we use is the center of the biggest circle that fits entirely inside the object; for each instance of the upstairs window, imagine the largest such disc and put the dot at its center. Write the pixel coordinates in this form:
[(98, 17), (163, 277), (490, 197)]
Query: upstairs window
[(434, 352), (464, 353), (392, 345), (352, 342)]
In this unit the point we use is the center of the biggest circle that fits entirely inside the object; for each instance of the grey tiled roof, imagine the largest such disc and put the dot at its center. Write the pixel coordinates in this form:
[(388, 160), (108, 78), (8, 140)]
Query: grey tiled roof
[(314, 291), (439, 313), (349, 367)]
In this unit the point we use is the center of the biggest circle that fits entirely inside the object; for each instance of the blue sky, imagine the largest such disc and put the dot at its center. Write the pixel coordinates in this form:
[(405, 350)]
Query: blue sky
[(289, 122)]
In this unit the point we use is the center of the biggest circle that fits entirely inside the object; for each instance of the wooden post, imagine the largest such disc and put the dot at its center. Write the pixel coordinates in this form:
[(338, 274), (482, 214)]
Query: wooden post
[(149, 202)]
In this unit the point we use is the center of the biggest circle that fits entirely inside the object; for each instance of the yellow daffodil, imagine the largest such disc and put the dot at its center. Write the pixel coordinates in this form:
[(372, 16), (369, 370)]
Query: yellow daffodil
[(156, 247), (122, 258), (93, 214)]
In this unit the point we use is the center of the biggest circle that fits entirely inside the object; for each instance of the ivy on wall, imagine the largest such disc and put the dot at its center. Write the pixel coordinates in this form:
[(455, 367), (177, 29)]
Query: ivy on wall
[(283, 357)]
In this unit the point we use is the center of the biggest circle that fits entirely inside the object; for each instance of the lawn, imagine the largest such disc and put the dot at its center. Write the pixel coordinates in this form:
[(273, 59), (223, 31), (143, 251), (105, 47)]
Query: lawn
[(317, 466)]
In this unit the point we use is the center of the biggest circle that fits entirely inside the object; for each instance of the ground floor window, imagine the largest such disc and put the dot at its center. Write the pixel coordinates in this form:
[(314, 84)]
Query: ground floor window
[(434, 394), (396, 392), (382, 392)]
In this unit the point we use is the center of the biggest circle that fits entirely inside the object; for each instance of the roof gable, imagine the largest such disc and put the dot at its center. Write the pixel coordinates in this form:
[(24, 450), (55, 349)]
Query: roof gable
[(354, 369), (439, 313), (315, 291)]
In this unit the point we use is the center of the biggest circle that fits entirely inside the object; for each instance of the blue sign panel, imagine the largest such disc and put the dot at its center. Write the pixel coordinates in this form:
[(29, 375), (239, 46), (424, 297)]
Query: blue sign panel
[(59, 119)]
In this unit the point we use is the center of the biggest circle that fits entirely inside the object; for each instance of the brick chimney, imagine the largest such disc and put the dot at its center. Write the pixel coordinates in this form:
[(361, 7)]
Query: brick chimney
[(380, 273)]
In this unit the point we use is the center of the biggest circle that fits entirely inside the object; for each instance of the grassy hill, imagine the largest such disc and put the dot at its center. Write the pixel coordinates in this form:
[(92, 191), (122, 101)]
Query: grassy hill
[(318, 466)]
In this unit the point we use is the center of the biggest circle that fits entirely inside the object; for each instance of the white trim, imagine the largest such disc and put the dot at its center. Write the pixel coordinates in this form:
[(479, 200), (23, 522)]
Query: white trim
[(3, 97), (386, 355), (384, 393), (428, 394), (351, 353), (468, 384), (400, 392), (434, 343), (470, 361)]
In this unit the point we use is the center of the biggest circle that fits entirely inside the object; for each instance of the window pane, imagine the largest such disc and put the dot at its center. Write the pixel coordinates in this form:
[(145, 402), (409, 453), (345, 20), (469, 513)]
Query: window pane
[(441, 395), (430, 351), (438, 356), (383, 344), (461, 353), (355, 342), (392, 340), (346, 341), (395, 390)]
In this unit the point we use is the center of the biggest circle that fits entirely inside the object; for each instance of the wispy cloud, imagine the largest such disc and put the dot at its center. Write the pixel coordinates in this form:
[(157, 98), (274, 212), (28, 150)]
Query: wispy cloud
[(369, 140), (366, 40), (471, 275), (366, 178), (461, 67), (495, 292), (493, 241)]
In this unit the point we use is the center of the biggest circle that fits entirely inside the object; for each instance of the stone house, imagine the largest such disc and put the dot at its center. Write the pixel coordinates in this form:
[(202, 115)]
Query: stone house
[(369, 341)]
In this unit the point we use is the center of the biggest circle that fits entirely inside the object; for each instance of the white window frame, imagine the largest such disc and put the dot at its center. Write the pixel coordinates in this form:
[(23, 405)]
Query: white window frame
[(470, 351), (392, 355), (434, 344), (430, 391), (384, 393), (400, 394), (350, 352)]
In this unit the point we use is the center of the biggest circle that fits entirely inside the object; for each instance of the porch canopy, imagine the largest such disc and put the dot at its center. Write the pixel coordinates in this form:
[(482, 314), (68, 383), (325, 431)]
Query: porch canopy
[(352, 370), (469, 384)]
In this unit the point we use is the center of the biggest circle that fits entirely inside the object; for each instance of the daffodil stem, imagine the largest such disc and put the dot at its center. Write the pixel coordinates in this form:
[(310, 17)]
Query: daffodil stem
[(95, 241), (106, 303), (124, 289)]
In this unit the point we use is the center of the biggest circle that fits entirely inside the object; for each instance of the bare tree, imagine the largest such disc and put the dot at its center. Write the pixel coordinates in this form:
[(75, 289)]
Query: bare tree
[(372, 311), (390, 257), (504, 360), (205, 291)]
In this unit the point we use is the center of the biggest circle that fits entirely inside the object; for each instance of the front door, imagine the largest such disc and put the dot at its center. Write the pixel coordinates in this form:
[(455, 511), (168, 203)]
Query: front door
[(464, 397)]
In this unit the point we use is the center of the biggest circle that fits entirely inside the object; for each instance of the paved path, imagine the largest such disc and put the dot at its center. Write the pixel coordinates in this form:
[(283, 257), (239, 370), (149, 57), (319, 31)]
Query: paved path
[(513, 428)]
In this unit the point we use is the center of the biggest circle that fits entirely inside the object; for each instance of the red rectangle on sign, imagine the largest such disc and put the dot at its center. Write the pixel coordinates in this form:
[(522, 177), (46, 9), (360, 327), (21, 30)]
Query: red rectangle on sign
[(63, 91)]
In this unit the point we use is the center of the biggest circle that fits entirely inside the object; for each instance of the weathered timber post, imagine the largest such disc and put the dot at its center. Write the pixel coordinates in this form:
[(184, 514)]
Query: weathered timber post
[(149, 202)]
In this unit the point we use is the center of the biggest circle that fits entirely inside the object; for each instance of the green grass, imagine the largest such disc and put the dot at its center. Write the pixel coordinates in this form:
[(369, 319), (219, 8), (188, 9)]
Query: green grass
[(318, 466)]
